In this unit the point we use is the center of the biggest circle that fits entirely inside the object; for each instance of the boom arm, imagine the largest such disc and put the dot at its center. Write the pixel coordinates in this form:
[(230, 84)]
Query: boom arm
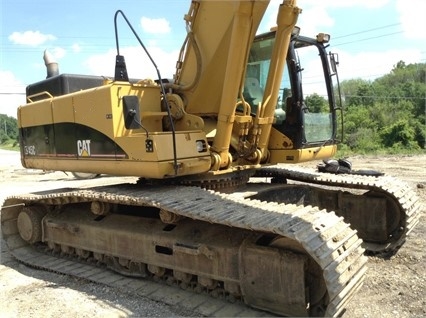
[(286, 20), (210, 76)]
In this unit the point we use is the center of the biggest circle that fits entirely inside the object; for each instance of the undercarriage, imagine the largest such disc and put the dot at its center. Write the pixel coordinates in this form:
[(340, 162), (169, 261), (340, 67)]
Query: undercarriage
[(275, 247), (382, 209)]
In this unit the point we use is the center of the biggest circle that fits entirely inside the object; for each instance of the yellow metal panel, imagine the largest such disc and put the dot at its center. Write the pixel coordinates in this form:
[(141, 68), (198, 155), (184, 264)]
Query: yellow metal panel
[(134, 145), (149, 107), (302, 155), (185, 141), (93, 108), (101, 108), (35, 114), (279, 141), (62, 109)]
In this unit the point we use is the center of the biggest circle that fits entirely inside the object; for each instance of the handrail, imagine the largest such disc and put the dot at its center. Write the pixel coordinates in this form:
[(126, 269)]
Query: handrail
[(39, 94)]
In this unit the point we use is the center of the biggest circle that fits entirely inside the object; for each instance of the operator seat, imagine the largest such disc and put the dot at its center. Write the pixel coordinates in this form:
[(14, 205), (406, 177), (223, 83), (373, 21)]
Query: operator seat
[(253, 93)]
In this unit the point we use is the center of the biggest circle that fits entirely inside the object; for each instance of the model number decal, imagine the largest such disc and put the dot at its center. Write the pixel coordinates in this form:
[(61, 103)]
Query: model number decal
[(29, 150), (83, 148)]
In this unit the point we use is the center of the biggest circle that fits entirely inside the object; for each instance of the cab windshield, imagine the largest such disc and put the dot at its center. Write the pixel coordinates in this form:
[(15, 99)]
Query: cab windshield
[(305, 113)]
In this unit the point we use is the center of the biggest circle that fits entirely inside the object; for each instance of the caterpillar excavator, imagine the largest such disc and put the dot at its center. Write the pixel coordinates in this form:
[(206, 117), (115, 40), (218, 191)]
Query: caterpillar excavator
[(215, 209)]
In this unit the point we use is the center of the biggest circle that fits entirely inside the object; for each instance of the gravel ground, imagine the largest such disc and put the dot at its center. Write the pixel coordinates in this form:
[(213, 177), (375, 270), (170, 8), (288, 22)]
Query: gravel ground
[(394, 287)]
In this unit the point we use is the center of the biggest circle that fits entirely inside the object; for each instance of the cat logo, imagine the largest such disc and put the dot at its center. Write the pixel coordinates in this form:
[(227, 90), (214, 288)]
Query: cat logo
[(83, 148)]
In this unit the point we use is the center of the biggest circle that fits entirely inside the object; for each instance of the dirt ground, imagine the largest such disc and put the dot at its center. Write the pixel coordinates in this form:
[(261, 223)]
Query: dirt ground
[(394, 286)]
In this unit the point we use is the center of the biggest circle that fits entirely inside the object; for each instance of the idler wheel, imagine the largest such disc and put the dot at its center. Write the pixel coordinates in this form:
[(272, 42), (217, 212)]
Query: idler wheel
[(29, 224), (316, 285)]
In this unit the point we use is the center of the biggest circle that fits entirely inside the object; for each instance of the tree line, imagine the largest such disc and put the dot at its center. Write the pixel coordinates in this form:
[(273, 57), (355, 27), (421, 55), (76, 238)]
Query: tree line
[(387, 114)]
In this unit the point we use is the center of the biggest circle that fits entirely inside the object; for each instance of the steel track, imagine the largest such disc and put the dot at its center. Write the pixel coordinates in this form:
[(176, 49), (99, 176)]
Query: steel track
[(324, 236), (408, 202)]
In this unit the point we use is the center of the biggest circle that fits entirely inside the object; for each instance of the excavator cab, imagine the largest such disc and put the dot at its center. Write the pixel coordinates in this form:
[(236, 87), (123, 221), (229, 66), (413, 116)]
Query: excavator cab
[(305, 115)]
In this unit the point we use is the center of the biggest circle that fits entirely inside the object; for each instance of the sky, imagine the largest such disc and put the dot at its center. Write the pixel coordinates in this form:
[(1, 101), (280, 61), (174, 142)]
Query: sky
[(370, 36)]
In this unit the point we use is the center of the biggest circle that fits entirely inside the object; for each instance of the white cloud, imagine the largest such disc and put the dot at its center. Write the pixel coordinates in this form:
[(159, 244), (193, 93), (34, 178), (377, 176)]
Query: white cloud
[(76, 48), (315, 17), (58, 52), (412, 18), (12, 93), (313, 20), (31, 38), (155, 26), (138, 64)]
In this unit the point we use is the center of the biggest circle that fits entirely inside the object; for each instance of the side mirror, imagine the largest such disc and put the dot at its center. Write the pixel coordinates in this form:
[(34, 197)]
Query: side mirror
[(131, 112), (334, 61)]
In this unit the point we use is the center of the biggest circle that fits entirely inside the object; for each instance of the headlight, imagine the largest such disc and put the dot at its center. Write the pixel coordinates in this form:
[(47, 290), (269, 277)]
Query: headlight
[(201, 146), (295, 31), (323, 37)]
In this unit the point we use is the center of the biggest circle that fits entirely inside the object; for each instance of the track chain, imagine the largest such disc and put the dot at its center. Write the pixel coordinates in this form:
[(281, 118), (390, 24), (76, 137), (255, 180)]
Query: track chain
[(325, 237), (409, 203)]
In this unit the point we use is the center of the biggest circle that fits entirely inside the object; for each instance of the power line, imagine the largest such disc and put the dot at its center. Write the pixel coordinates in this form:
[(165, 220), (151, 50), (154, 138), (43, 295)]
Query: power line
[(366, 39), (366, 31)]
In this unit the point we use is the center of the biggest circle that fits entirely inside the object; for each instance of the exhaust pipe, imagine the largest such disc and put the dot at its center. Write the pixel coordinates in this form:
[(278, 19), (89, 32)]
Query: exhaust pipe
[(52, 67)]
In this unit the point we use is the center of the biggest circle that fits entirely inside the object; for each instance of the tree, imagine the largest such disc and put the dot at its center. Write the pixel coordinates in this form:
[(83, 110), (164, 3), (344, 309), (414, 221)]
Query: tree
[(399, 135), (387, 113), (317, 104), (8, 128), (400, 65), (350, 90)]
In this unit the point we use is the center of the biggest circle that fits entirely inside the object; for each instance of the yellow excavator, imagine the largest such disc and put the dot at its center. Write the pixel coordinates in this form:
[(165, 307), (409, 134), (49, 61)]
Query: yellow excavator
[(215, 209)]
